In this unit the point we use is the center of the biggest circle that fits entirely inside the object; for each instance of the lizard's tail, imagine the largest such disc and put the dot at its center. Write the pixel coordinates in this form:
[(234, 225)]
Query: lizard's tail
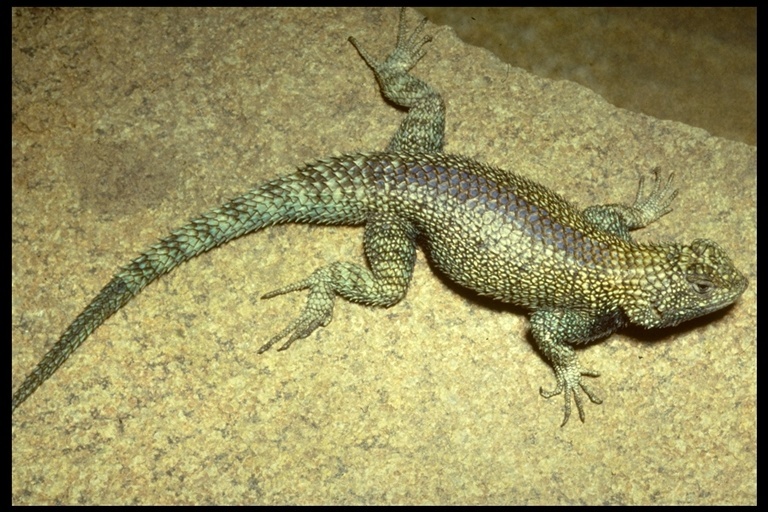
[(319, 194)]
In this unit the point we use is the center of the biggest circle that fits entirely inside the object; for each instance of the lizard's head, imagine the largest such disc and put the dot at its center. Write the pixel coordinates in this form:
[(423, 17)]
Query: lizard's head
[(683, 282)]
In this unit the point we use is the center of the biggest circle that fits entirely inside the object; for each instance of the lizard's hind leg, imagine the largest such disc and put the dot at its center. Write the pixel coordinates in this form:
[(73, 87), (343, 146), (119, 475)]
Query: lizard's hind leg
[(390, 248)]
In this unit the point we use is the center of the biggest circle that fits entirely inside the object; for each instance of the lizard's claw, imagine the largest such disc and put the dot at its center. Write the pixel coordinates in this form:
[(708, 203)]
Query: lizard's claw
[(569, 380)]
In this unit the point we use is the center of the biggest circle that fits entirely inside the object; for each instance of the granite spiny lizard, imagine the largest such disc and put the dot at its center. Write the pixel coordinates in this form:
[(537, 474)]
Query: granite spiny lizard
[(489, 230)]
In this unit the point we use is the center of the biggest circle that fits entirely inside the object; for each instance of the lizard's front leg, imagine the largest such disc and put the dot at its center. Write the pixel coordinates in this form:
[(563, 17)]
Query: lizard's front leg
[(554, 331)]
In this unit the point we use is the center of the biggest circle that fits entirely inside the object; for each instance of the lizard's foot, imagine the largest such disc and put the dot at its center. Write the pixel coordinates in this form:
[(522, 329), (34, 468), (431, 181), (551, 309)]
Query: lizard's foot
[(317, 312), (408, 50), (423, 129), (657, 202), (569, 382)]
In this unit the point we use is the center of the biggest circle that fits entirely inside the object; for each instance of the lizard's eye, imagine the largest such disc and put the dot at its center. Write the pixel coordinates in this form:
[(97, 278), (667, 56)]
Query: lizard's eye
[(701, 285)]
